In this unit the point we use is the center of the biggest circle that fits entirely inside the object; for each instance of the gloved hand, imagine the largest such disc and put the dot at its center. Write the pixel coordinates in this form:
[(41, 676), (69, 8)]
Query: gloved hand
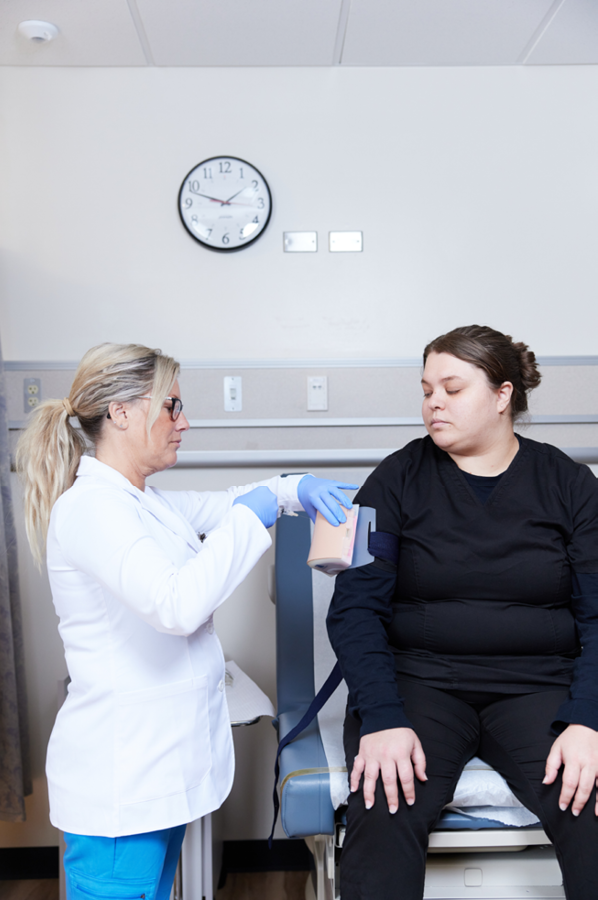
[(323, 495), (262, 502)]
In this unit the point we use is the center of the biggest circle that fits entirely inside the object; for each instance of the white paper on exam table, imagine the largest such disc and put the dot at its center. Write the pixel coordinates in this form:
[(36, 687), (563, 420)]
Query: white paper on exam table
[(517, 817), (246, 701), (484, 794)]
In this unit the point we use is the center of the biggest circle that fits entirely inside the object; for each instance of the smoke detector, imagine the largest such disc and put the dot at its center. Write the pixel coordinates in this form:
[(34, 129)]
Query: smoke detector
[(38, 31)]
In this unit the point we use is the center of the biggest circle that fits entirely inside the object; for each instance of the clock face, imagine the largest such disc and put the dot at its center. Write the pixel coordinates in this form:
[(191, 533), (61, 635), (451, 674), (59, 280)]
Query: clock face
[(225, 203)]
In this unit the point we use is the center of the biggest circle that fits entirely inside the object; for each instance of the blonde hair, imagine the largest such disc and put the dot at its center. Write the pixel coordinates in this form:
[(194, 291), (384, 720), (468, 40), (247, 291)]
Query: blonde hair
[(50, 448)]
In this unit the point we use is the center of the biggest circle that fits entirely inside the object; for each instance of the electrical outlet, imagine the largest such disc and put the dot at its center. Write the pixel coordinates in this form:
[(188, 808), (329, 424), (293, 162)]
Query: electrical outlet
[(317, 392), (32, 393)]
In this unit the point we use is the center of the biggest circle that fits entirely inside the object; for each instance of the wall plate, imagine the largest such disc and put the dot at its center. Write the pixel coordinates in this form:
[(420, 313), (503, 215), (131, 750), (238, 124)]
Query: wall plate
[(233, 393), (345, 241), (300, 241), (32, 393)]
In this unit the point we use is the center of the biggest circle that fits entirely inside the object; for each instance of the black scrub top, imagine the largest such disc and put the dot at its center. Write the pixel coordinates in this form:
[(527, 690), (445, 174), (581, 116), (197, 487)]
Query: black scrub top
[(485, 596)]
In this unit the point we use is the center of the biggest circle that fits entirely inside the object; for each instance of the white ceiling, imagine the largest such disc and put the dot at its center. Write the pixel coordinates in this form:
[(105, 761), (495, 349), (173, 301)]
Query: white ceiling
[(303, 32)]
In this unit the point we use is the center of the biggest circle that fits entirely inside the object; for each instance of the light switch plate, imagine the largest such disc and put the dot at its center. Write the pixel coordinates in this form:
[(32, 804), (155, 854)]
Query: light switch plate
[(233, 393)]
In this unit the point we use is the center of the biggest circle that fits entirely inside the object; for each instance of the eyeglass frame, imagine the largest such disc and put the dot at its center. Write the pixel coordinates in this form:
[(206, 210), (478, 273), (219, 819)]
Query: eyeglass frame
[(176, 402)]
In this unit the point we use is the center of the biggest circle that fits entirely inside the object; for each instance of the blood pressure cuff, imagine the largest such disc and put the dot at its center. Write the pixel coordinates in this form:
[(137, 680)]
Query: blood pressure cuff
[(371, 546), (384, 546)]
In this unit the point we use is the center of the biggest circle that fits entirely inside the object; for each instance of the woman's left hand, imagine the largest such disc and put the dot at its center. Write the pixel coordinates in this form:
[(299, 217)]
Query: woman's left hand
[(323, 495), (577, 750)]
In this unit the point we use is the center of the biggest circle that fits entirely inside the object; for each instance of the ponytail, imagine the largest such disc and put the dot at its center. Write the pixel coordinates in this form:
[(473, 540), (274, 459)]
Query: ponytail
[(47, 459), (50, 448)]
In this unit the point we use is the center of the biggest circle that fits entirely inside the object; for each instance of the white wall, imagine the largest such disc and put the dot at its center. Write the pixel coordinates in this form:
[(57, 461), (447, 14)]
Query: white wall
[(476, 190)]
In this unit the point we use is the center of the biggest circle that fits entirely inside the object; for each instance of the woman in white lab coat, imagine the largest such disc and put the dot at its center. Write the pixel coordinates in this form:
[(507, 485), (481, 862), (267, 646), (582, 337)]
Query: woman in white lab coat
[(143, 742)]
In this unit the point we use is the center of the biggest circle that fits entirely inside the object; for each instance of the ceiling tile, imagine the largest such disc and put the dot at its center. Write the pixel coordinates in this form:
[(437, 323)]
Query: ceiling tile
[(571, 37), (91, 34), (440, 32), (241, 32)]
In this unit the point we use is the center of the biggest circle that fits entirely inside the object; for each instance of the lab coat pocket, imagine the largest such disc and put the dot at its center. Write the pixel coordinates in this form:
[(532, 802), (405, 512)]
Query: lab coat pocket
[(162, 740)]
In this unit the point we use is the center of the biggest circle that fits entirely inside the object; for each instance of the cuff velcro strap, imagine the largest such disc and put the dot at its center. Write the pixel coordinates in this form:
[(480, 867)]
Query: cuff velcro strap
[(385, 546)]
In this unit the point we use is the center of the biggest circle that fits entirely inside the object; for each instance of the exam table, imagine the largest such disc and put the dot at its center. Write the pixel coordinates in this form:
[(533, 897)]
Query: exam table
[(471, 854)]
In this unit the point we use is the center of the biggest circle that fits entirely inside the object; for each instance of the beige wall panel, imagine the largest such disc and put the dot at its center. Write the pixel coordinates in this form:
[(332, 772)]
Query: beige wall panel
[(356, 392), (571, 390)]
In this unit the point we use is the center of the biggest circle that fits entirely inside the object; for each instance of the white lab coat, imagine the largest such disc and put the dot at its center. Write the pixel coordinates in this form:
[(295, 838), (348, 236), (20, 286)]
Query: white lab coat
[(143, 741)]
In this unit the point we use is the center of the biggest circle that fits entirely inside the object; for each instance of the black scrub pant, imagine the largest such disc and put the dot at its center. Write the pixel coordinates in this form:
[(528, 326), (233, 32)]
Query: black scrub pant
[(384, 855)]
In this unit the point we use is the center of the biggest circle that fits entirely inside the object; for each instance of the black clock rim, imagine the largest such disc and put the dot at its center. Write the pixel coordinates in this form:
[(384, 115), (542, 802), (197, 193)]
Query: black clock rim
[(198, 239)]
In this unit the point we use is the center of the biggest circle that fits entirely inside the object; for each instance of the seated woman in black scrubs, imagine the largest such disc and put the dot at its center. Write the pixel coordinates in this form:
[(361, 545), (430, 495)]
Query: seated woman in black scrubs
[(473, 643)]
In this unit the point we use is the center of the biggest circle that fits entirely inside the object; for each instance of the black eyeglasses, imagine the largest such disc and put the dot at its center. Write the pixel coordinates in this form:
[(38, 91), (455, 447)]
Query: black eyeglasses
[(176, 408)]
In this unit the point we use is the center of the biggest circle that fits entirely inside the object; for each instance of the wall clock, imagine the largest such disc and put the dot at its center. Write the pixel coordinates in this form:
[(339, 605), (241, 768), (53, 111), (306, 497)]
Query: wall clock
[(225, 203)]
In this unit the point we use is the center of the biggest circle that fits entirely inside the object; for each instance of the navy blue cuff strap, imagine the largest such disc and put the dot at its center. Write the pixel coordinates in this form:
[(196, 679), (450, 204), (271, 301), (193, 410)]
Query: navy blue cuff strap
[(324, 694), (383, 545)]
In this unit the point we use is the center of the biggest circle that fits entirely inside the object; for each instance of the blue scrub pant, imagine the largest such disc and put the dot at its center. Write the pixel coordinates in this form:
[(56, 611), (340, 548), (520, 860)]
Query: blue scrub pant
[(134, 867)]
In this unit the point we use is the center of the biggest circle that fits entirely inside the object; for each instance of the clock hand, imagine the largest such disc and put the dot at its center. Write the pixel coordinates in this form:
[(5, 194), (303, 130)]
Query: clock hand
[(236, 195), (207, 196), (221, 202)]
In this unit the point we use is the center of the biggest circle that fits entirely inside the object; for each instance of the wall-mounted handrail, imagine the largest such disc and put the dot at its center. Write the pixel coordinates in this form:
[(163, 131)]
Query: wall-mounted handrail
[(304, 459), (352, 422)]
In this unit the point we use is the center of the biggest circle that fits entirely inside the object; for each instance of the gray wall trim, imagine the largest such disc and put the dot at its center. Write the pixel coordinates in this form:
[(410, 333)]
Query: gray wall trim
[(373, 421), (565, 419), (568, 360), (20, 365), (369, 421), (25, 365), (305, 459), (366, 422)]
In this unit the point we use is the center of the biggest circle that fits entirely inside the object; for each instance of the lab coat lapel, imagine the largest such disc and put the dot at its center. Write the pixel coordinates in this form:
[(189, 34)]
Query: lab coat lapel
[(168, 517), (91, 467)]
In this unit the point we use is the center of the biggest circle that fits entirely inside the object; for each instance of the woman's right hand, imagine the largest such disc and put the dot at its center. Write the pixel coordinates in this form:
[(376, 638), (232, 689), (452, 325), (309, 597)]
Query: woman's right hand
[(262, 502), (395, 751)]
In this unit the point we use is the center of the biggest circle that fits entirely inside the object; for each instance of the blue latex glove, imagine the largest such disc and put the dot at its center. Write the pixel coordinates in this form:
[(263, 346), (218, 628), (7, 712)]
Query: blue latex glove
[(323, 495), (262, 502)]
